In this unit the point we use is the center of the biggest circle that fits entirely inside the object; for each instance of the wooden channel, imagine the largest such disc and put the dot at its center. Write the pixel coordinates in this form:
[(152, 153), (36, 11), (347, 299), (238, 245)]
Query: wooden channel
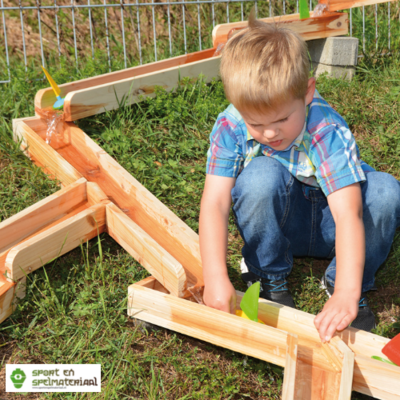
[(323, 372), (327, 25), (135, 201)]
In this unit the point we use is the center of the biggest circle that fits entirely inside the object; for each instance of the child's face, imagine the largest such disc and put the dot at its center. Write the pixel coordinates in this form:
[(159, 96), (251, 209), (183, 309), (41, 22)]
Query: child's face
[(279, 128)]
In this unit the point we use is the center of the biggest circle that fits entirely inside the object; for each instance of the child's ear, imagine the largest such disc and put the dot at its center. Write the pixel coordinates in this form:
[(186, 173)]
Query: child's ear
[(310, 90)]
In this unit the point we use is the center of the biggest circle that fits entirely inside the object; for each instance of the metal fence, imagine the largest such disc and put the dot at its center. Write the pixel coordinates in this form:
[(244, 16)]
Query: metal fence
[(132, 32)]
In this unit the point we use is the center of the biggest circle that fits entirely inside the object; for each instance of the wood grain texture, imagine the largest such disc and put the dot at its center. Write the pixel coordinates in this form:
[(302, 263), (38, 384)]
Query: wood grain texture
[(7, 291), (157, 220), (316, 377), (347, 375), (32, 219), (94, 100), (336, 5), (289, 378), (54, 242), (94, 193), (214, 326), (43, 155), (146, 251), (45, 98), (371, 377), (330, 24)]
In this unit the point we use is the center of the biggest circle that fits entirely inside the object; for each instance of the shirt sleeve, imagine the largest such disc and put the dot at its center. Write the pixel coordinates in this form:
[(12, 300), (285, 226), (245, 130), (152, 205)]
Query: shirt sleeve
[(225, 156), (336, 159)]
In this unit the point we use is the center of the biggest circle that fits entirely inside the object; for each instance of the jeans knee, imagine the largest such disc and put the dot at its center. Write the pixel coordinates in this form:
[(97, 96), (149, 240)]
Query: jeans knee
[(383, 195), (262, 180)]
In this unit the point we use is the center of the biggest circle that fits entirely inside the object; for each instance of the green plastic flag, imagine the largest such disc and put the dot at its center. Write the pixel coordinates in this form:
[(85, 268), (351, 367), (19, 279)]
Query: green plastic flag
[(249, 303), (304, 12), (383, 360)]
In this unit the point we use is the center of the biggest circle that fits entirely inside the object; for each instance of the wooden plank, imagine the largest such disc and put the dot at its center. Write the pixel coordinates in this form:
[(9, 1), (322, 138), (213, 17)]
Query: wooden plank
[(94, 194), (54, 242), (347, 374), (94, 100), (157, 220), (152, 283), (146, 251), (45, 98), (315, 382), (289, 378), (343, 360), (41, 214), (214, 326), (336, 5), (43, 155), (7, 291), (329, 24), (371, 377), (315, 377), (71, 213)]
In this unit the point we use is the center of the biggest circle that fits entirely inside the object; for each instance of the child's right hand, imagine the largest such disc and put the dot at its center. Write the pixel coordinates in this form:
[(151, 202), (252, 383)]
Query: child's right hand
[(220, 294)]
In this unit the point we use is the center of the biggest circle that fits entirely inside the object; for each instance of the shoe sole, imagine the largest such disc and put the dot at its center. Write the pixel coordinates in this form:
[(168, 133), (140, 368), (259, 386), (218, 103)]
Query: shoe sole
[(325, 287)]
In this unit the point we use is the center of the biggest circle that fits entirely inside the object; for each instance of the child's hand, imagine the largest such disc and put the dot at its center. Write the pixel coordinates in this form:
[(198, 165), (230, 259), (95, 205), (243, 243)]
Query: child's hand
[(221, 295), (339, 311)]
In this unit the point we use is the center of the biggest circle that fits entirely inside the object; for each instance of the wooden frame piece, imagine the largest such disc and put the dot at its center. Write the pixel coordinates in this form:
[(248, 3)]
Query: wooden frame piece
[(217, 327), (323, 371), (336, 5), (45, 98), (141, 206), (326, 25), (43, 156), (109, 96), (145, 250), (371, 377)]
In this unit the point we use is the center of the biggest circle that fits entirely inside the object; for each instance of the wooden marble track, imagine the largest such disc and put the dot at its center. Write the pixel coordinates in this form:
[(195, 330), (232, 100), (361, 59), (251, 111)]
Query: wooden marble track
[(98, 195)]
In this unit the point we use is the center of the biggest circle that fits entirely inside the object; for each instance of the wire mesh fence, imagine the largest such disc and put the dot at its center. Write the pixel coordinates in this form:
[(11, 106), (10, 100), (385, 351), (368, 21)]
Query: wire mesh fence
[(131, 32)]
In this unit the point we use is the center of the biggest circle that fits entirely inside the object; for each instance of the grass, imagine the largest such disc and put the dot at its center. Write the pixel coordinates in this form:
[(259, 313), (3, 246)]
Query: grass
[(75, 308)]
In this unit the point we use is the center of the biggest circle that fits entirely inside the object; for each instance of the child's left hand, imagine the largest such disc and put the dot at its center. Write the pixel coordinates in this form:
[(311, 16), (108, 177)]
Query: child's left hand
[(339, 311)]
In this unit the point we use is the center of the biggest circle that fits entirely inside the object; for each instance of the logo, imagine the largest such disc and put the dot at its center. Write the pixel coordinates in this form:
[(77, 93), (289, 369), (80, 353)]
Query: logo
[(67, 378), (18, 378)]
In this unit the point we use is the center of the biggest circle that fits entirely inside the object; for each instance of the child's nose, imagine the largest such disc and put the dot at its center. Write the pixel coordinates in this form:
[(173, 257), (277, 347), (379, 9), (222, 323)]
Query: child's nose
[(270, 133)]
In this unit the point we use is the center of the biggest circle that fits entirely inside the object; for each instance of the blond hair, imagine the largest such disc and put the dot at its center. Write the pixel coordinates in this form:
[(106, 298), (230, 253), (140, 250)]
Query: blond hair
[(264, 66)]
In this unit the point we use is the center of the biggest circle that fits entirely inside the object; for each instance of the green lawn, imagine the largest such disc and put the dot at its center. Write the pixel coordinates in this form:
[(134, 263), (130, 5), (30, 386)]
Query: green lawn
[(75, 308)]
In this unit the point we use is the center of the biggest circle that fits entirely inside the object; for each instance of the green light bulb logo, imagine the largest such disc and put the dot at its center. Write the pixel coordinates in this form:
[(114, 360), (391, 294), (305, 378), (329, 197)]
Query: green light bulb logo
[(18, 378)]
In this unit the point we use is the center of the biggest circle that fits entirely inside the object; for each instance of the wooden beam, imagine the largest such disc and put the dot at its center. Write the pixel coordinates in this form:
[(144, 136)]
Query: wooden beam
[(157, 220), (94, 193), (329, 24), (146, 251), (336, 5), (18, 227), (319, 376), (42, 154), (94, 100), (7, 290), (54, 242), (45, 98), (214, 326), (371, 377), (289, 378), (347, 374)]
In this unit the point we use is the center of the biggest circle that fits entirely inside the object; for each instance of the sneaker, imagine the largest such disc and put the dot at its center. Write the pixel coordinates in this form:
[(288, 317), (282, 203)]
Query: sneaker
[(365, 319), (272, 290)]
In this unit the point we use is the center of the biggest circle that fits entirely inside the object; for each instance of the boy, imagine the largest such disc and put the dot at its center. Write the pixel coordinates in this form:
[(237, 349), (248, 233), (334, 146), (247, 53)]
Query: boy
[(290, 165)]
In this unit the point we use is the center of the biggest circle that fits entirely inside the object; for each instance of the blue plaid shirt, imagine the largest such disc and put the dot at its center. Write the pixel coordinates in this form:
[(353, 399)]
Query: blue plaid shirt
[(324, 155)]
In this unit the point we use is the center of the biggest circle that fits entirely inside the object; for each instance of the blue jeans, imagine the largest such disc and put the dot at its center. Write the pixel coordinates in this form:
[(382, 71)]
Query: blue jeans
[(279, 217)]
